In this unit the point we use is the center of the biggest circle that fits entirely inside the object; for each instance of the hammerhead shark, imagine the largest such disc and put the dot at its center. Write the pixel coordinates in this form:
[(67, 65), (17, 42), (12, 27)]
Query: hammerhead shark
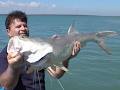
[(41, 53)]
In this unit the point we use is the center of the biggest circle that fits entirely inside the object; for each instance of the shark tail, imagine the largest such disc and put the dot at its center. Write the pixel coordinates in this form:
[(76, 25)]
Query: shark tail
[(100, 39)]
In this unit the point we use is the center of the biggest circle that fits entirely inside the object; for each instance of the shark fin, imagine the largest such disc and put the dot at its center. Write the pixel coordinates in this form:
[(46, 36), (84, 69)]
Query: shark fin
[(72, 30), (103, 46), (62, 67), (106, 34), (100, 39)]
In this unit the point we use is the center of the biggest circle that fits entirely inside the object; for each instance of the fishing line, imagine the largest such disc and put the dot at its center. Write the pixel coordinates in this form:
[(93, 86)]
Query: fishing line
[(38, 78), (60, 84)]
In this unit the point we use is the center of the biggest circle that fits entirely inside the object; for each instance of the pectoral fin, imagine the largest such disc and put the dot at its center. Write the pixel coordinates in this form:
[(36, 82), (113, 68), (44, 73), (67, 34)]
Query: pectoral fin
[(62, 67)]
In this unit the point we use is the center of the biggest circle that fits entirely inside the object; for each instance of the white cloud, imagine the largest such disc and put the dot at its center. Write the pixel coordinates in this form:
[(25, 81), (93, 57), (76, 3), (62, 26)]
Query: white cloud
[(9, 4), (34, 4), (3, 4), (53, 5), (29, 7)]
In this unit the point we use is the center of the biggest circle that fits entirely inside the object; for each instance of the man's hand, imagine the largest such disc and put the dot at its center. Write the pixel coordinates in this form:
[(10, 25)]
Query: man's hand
[(76, 48), (57, 72), (10, 76), (15, 59)]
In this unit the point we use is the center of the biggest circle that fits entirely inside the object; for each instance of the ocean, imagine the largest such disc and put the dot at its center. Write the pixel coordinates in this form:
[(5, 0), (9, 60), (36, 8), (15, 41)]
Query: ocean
[(92, 68)]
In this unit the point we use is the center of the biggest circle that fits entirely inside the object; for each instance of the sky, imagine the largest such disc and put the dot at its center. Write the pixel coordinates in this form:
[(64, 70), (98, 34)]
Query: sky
[(74, 7)]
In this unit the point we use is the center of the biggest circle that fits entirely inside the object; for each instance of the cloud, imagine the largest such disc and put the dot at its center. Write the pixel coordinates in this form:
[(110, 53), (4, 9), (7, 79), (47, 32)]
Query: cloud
[(29, 7), (32, 4), (9, 4), (53, 5)]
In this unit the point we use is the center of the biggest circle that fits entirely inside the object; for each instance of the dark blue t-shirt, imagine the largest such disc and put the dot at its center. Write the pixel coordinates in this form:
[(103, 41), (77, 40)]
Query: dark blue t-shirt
[(33, 81)]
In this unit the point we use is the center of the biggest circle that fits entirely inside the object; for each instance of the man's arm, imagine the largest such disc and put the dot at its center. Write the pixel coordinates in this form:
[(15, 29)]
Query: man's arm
[(9, 77), (56, 71)]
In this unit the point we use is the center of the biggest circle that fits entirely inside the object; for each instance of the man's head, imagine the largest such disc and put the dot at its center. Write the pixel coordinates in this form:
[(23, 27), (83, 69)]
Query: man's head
[(16, 24)]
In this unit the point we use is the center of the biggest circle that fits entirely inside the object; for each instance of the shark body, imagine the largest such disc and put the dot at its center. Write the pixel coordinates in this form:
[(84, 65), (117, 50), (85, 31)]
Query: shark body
[(42, 53)]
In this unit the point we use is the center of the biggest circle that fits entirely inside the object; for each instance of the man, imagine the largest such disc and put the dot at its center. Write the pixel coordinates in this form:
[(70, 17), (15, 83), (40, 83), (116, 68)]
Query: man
[(10, 75)]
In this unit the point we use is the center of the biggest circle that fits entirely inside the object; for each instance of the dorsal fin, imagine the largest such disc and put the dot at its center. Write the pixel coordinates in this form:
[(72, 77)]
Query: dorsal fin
[(72, 30)]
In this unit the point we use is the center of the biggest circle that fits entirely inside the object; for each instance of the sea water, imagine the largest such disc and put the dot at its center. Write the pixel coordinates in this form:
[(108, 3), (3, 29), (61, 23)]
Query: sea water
[(92, 68)]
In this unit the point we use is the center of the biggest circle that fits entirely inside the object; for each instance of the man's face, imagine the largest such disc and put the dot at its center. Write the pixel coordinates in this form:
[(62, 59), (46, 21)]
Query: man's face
[(18, 28)]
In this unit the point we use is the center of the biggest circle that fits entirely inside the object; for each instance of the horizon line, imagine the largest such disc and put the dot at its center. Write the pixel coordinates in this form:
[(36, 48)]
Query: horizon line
[(35, 14)]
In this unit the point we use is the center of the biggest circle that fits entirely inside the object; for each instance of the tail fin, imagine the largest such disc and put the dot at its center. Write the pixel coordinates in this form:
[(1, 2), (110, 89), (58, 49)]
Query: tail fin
[(103, 46), (100, 39)]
